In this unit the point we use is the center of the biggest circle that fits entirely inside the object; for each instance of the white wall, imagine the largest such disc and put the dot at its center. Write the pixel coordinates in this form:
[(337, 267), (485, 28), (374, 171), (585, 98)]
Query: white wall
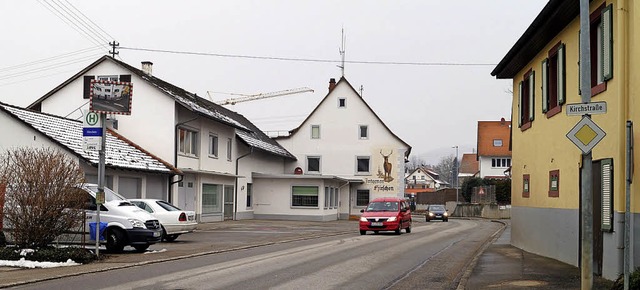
[(485, 167), (259, 162), (152, 116)]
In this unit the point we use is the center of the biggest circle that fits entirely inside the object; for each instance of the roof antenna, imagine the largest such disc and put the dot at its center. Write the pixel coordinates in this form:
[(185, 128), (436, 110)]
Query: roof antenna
[(341, 50)]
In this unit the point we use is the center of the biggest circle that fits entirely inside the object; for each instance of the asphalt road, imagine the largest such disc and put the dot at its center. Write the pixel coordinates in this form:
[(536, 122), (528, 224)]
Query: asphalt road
[(434, 256)]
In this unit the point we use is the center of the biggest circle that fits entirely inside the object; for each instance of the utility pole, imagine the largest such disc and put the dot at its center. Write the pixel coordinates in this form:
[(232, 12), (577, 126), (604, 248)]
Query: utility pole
[(586, 261), (113, 50)]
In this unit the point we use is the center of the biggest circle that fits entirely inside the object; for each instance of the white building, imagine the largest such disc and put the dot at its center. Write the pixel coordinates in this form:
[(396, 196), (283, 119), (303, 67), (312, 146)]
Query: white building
[(130, 169), (343, 150), (215, 148)]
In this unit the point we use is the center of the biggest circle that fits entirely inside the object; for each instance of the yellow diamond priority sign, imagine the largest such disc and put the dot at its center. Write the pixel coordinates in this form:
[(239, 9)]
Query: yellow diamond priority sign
[(586, 134)]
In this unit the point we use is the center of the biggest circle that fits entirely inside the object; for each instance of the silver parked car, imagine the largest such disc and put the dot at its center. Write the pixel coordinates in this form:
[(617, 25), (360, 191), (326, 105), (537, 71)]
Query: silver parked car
[(173, 220)]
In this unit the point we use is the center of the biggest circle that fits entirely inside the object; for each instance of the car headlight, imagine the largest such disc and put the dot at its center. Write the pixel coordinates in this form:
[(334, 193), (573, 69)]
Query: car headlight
[(445, 214), (430, 214), (363, 219), (136, 223), (392, 219)]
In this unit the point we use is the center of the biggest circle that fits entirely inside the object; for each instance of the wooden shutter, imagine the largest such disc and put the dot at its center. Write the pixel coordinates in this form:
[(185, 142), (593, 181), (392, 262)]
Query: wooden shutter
[(561, 75), (87, 86), (545, 85), (532, 98), (607, 43), (606, 167), (125, 78), (520, 100)]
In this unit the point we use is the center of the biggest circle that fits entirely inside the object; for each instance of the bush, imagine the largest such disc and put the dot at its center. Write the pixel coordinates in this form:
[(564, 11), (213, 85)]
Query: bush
[(634, 281), (49, 254), (42, 197)]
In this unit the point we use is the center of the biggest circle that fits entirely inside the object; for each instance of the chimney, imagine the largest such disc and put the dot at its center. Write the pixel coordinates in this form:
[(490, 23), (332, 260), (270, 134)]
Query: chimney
[(147, 67), (332, 84)]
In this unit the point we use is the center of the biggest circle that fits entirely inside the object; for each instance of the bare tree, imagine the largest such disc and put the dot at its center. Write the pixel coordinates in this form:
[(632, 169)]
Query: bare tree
[(415, 162), (43, 199), (446, 169)]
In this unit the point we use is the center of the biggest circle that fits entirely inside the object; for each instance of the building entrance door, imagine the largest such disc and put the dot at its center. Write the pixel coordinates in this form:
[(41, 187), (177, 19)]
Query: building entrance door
[(228, 202), (187, 193)]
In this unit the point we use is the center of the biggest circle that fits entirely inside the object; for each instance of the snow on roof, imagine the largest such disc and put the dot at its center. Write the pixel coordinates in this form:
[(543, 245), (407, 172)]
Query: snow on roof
[(209, 112), (257, 143), (68, 133)]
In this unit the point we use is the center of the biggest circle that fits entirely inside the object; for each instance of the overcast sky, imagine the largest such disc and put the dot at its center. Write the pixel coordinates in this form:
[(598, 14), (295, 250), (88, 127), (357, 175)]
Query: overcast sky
[(431, 107)]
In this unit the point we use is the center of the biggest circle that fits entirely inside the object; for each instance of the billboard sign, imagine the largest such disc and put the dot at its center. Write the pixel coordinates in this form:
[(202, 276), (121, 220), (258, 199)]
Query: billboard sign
[(110, 97)]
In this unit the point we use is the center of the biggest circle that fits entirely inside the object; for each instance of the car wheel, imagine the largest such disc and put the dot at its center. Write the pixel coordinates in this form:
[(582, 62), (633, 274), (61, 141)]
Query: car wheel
[(445, 220), (115, 240), (408, 229), (398, 229), (427, 219), (170, 238), (362, 233), (141, 248)]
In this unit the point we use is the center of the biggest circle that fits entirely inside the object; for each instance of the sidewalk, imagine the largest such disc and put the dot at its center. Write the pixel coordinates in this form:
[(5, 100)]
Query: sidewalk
[(503, 266)]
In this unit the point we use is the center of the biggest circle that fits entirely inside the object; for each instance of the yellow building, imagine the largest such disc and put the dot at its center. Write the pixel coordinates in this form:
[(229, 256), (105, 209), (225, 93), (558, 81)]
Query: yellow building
[(544, 66)]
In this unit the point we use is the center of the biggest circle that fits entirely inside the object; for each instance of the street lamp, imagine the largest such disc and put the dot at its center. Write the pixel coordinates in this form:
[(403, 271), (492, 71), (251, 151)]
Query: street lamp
[(456, 175)]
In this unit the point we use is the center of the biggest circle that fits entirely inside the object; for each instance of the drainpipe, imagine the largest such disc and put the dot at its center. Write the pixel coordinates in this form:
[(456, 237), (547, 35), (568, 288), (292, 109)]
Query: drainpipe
[(235, 201), (175, 158), (626, 130)]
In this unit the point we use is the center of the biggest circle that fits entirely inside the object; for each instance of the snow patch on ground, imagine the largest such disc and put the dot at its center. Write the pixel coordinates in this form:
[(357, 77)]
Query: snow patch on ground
[(155, 251), (22, 263)]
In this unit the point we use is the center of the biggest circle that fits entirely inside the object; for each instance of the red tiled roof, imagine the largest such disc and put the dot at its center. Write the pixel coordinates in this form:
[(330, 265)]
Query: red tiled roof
[(488, 131), (469, 163)]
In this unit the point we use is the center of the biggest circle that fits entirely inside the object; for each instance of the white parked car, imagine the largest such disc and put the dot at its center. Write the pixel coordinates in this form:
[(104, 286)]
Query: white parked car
[(174, 221)]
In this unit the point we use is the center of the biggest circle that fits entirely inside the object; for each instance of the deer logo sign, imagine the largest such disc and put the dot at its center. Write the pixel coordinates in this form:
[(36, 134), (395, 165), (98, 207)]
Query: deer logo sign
[(387, 167)]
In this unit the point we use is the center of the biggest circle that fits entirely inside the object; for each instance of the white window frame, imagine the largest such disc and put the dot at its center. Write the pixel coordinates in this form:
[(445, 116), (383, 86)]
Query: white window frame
[(319, 164), (366, 130), (312, 131), (214, 145), (190, 137), (344, 100), (358, 158), (113, 78), (229, 148), (497, 142)]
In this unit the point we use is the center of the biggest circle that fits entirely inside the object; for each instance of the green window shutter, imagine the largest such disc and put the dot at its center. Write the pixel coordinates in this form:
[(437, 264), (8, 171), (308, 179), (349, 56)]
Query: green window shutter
[(545, 85), (561, 75), (532, 98), (607, 43), (520, 100), (607, 194)]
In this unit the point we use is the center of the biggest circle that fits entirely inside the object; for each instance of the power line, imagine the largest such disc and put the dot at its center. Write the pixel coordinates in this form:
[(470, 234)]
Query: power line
[(73, 25), (19, 66), (79, 20), (48, 67), (85, 16), (35, 78), (309, 59)]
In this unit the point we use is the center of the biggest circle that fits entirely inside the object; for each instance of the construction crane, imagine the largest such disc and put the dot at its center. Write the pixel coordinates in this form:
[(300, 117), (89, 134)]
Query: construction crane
[(246, 98)]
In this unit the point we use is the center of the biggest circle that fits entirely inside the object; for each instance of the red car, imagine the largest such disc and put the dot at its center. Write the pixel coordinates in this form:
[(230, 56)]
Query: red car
[(386, 214)]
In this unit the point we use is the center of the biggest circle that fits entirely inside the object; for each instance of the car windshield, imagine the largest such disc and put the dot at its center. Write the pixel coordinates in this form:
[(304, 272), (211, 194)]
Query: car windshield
[(383, 206), (109, 195), (436, 208)]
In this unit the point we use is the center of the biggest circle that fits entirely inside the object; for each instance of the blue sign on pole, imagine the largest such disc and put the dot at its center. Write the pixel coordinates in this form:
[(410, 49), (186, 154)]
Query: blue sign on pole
[(92, 132)]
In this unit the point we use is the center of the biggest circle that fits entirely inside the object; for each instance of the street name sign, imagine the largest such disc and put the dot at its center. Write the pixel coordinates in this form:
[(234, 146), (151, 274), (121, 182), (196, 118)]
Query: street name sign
[(591, 108), (91, 131), (586, 134)]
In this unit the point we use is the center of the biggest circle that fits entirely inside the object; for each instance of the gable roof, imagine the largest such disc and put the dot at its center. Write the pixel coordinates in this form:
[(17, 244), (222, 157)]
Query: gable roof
[(248, 132), (492, 130), (469, 163), (120, 153), (343, 79), (553, 18)]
